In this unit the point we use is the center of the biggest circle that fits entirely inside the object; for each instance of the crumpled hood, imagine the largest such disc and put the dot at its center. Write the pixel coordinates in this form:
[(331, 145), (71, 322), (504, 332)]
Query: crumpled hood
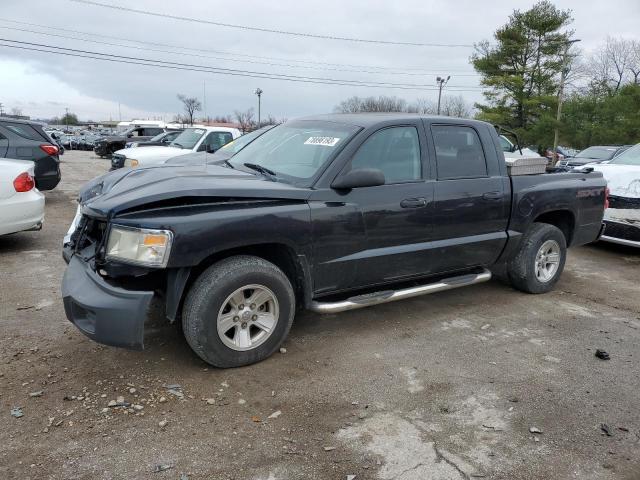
[(153, 155), (622, 180), (126, 188)]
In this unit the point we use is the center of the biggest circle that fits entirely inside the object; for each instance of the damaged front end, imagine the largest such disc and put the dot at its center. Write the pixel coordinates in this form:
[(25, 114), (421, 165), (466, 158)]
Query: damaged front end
[(622, 221)]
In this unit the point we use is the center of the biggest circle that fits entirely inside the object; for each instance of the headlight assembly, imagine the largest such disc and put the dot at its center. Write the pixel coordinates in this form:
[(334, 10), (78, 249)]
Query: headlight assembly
[(130, 162), (139, 246)]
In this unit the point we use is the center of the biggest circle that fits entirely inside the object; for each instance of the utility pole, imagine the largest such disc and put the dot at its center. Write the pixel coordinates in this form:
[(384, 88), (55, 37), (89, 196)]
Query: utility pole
[(1, 111), (441, 81), (204, 100), (259, 94), (66, 118), (563, 79)]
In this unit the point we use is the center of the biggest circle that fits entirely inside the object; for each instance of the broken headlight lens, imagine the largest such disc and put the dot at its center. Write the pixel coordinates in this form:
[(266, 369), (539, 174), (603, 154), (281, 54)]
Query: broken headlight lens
[(139, 246)]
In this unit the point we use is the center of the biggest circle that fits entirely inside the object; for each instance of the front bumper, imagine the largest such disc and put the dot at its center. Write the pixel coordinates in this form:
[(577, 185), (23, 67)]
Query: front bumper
[(622, 225), (101, 149), (117, 161), (105, 313), (621, 233)]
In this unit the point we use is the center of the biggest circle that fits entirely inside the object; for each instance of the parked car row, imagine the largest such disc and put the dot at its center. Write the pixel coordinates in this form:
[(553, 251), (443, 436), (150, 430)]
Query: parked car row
[(105, 146)]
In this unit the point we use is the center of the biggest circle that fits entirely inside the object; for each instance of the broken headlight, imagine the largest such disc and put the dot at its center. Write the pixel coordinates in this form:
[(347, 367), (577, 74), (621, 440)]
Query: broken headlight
[(139, 246)]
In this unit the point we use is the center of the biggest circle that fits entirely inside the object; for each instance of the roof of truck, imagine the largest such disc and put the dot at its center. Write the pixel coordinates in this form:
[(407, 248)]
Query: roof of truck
[(369, 119)]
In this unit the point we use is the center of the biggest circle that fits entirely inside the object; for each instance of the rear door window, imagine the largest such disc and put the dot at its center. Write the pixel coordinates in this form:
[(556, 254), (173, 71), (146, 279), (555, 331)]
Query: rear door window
[(23, 130), (459, 152)]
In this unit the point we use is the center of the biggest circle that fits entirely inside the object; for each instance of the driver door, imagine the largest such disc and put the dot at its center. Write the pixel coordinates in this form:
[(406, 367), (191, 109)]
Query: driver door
[(396, 217)]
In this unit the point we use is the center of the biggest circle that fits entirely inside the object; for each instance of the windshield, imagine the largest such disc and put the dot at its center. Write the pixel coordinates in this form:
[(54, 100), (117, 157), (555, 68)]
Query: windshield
[(234, 146), (158, 137), (597, 153), (628, 157), (188, 138), (296, 151)]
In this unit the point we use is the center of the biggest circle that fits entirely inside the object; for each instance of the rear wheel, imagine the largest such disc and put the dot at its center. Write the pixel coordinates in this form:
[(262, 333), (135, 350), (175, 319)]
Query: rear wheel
[(238, 312), (537, 266)]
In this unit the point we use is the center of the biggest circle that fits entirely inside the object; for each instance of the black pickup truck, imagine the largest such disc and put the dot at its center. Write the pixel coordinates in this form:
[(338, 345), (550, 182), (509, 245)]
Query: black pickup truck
[(105, 146), (327, 213)]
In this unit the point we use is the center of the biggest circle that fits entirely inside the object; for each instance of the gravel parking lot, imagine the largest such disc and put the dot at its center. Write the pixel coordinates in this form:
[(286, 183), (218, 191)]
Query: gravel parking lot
[(481, 382)]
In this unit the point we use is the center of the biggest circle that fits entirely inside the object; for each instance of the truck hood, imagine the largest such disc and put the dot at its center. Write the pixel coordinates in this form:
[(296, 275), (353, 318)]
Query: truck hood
[(623, 180), (153, 155), (127, 189)]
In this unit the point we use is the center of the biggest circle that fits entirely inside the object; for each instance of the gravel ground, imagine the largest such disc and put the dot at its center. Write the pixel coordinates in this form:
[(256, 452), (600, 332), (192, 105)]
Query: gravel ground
[(446, 386)]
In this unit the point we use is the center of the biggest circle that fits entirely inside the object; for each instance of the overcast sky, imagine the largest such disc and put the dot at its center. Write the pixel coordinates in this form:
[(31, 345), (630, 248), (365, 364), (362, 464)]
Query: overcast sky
[(43, 85)]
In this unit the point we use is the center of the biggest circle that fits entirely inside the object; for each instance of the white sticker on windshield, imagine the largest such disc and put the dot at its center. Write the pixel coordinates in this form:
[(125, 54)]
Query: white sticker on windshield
[(326, 141)]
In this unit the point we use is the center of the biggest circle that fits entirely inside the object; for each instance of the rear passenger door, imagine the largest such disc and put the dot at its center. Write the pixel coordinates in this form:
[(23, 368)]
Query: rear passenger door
[(471, 206)]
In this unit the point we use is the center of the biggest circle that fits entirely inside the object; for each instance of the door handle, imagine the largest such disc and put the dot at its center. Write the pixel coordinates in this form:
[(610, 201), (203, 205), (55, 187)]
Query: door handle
[(414, 202), (492, 196)]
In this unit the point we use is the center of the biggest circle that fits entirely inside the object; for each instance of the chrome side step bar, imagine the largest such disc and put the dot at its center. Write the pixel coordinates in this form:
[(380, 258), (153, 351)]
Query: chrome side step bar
[(387, 296)]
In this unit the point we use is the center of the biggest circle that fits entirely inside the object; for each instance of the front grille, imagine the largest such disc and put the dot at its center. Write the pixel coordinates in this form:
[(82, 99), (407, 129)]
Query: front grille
[(622, 230), (90, 232), (117, 160), (623, 202)]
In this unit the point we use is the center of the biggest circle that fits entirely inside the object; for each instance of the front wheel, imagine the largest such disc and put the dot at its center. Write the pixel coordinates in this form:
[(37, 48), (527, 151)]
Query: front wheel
[(537, 266), (238, 312)]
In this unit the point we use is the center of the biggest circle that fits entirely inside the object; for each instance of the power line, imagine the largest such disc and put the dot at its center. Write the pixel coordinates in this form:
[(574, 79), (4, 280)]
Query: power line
[(220, 70), (234, 54), (268, 30), (222, 58)]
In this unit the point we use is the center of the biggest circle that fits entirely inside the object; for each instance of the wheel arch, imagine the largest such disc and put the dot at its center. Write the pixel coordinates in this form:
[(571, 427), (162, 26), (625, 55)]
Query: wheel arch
[(294, 265), (562, 219)]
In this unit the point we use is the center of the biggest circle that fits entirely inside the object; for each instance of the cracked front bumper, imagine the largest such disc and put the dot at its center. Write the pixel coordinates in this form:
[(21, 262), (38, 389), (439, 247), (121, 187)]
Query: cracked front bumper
[(105, 313)]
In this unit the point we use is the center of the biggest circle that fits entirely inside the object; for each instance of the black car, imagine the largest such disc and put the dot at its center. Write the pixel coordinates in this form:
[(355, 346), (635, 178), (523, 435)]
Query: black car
[(328, 213), (105, 146), (595, 154), (26, 140), (160, 140)]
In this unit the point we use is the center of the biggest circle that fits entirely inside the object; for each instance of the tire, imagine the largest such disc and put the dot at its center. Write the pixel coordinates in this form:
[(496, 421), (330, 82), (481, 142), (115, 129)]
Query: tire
[(210, 298), (523, 270)]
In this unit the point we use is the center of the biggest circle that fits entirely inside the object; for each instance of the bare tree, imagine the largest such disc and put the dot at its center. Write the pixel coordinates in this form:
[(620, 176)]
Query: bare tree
[(222, 119), (634, 61), (609, 65), (372, 104), (245, 119), (423, 106), (16, 112), (191, 106), (455, 107)]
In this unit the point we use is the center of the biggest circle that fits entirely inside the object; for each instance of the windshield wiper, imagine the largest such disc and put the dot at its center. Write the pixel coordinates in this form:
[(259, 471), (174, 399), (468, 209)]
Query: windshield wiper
[(228, 163), (270, 174), (176, 143)]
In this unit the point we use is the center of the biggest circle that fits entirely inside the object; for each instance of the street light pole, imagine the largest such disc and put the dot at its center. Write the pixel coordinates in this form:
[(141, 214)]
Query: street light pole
[(563, 79), (259, 94), (441, 81)]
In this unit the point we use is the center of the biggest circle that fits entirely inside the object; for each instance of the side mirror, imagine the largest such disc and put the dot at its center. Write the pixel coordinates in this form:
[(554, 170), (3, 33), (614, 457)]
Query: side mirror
[(211, 149), (358, 178)]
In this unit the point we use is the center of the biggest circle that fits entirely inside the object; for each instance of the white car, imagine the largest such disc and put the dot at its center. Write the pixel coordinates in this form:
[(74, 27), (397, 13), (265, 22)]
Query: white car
[(193, 139), (512, 151), (21, 203), (622, 218)]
